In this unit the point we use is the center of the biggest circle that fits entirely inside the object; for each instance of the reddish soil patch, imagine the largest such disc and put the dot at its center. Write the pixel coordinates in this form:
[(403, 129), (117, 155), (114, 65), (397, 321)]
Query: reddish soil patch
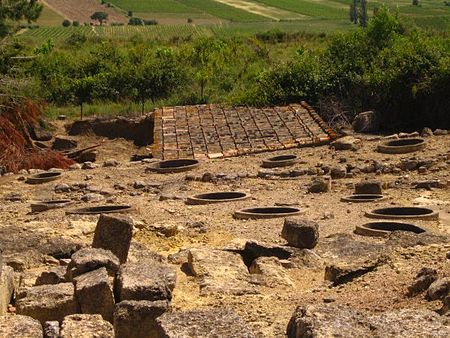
[(81, 10)]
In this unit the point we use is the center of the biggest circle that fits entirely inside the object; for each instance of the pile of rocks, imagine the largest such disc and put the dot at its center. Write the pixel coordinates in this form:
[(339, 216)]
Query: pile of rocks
[(436, 287), (97, 291)]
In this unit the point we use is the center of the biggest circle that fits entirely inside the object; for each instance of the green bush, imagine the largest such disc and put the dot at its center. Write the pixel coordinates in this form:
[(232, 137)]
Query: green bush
[(66, 23), (135, 21), (404, 75), (150, 22), (76, 23)]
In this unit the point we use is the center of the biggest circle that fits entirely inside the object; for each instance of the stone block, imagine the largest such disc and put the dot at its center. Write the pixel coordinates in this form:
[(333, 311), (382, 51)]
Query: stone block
[(6, 287), (17, 326), (51, 329), (145, 280), (137, 319), (114, 233), (300, 233), (89, 259), (83, 325), (94, 293), (223, 322), (48, 302), (369, 187), (55, 275)]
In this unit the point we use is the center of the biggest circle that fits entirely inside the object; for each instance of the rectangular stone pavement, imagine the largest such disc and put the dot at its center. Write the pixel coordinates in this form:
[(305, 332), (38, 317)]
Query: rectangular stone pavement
[(213, 131)]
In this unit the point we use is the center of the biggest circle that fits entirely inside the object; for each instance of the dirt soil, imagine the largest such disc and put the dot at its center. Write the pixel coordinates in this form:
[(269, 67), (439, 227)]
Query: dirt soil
[(81, 10), (268, 312)]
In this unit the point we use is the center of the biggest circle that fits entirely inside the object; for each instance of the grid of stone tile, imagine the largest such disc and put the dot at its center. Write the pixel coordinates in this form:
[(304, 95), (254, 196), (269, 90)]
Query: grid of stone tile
[(213, 131)]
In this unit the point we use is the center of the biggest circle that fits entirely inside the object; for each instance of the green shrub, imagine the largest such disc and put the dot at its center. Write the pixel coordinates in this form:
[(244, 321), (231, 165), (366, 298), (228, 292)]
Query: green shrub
[(66, 23), (135, 21), (150, 22), (76, 23)]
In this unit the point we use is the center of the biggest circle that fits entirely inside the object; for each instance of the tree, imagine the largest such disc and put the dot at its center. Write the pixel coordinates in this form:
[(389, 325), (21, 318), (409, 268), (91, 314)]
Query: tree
[(66, 23), (415, 2), (13, 11), (100, 17), (208, 57), (363, 14), (133, 21), (354, 12), (153, 76)]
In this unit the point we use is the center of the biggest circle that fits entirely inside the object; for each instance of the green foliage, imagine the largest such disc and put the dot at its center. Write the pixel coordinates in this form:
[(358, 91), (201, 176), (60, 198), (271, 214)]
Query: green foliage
[(13, 11), (133, 21), (382, 67), (66, 23), (76, 39), (45, 49), (100, 17), (76, 23)]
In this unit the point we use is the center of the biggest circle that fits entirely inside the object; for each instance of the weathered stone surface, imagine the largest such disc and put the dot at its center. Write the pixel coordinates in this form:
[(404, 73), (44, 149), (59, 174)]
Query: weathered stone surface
[(82, 325), (407, 239), (64, 143), (114, 233), (344, 273), (255, 249), (38, 133), (17, 326), (54, 276), (94, 293), (204, 322), (19, 240), (145, 280), (439, 289), (300, 233), (6, 287), (340, 321), (423, 280), (366, 122), (271, 270), (347, 248), (347, 143), (137, 319), (51, 329), (110, 163), (219, 271), (319, 184), (369, 187), (426, 132), (338, 172), (48, 302), (89, 259)]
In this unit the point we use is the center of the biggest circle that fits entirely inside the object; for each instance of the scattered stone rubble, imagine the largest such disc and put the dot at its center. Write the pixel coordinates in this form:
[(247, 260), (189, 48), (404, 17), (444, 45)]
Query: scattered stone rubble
[(118, 288)]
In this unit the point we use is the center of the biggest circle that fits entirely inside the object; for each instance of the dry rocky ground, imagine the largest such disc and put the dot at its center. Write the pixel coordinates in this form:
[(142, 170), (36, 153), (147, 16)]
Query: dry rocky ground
[(369, 278)]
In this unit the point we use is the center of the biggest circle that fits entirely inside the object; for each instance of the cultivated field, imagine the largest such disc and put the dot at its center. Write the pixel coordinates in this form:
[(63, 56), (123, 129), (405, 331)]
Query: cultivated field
[(223, 17), (81, 10)]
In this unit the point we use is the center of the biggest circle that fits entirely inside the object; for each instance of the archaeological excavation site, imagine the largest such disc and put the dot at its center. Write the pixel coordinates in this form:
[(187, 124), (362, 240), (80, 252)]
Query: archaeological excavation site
[(217, 221)]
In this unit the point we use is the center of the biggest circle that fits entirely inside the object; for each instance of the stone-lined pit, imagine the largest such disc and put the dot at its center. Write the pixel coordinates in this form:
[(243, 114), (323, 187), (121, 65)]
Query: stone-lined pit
[(101, 209), (174, 166), (404, 212), (363, 198), (43, 177), (49, 204), (266, 212), (217, 197), (280, 161), (383, 229), (402, 146)]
